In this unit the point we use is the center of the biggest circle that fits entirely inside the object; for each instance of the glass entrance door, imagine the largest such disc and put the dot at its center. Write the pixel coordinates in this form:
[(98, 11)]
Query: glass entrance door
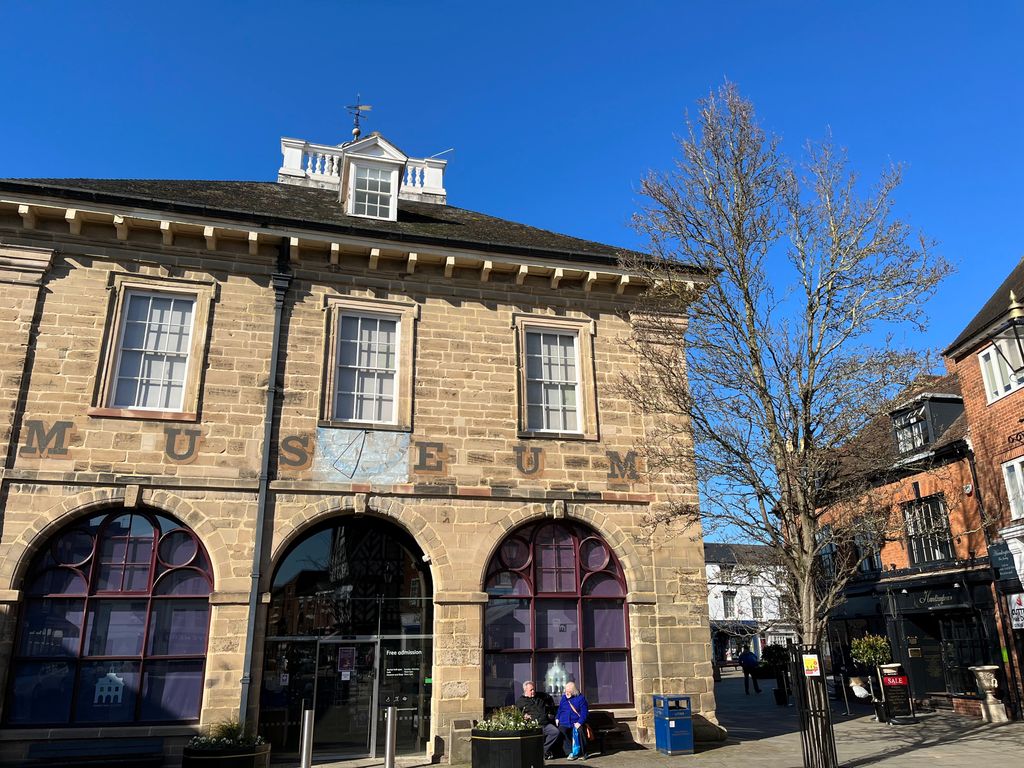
[(406, 683), (345, 693)]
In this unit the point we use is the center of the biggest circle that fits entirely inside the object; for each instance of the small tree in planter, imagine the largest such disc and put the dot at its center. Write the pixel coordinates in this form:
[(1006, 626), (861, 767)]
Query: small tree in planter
[(871, 651), (776, 658), (227, 745), (508, 740)]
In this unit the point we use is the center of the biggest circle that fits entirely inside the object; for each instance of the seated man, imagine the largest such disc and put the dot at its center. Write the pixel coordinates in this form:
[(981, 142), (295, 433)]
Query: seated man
[(540, 707)]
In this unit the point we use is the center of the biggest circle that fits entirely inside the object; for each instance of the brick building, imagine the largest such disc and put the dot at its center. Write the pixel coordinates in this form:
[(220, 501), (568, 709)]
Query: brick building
[(929, 587), (324, 439), (988, 358)]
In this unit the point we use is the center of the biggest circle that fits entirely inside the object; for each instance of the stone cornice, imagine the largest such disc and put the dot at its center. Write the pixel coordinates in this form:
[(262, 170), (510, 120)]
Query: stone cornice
[(24, 265)]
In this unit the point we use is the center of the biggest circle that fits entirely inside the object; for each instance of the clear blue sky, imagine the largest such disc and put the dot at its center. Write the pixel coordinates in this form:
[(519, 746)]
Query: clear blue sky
[(555, 109)]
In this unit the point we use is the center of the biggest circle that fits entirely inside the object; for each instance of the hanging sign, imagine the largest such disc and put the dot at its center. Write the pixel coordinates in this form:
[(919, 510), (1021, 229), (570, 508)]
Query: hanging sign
[(1016, 603), (897, 695), (812, 665), (1001, 558)]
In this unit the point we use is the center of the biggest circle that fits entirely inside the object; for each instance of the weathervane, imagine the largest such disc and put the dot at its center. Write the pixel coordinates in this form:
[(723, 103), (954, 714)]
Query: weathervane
[(357, 111)]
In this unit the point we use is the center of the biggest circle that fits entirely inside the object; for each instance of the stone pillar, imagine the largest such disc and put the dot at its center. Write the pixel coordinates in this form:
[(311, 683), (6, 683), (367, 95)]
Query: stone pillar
[(457, 692)]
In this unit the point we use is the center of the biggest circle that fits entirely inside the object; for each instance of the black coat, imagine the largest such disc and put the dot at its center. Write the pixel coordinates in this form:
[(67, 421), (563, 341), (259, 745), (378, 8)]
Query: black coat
[(540, 707)]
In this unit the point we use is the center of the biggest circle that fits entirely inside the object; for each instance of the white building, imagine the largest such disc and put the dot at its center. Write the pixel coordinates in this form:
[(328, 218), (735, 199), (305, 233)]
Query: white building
[(744, 603)]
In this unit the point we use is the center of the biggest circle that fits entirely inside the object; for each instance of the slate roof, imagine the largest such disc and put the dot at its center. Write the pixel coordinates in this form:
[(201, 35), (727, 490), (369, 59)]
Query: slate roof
[(285, 205), (994, 308), (715, 552), (874, 449)]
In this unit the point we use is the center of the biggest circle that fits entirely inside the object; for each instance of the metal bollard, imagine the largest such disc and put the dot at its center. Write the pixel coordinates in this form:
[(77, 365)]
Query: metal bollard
[(306, 749), (390, 736)]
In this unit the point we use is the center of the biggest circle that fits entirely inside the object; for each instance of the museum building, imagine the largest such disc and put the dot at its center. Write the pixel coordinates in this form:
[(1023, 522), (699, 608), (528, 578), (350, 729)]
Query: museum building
[(324, 442)]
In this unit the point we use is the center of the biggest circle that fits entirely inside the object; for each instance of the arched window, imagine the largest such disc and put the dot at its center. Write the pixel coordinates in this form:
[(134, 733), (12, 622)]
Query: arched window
[(113, 625), (556, 612)]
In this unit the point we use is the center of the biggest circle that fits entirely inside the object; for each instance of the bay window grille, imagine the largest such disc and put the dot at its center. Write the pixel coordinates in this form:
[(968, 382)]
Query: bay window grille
[(927, 523), (556, 613), (113, 628)]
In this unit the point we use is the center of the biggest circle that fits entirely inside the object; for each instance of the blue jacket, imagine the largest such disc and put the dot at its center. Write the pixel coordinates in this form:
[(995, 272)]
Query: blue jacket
[(566, 717)]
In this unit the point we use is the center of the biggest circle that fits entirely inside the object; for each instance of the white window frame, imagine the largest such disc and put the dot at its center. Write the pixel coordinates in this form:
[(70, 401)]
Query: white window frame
[(575, 385), (997, 375), (909, 426), (756, 607), (405, 314), (115, 378), (1013, 477), (397, 373), (586, 394), (726, 613), (392, 171), (122, 286)]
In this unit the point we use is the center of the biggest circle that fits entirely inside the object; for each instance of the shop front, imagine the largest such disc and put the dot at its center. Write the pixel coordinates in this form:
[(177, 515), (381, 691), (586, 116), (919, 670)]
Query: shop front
[(939, 629), (349, 633)]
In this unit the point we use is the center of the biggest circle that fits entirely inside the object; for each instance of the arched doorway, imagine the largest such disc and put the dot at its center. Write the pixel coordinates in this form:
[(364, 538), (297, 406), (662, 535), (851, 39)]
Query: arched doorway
[(556, 613), (349, 631), (113, 626)]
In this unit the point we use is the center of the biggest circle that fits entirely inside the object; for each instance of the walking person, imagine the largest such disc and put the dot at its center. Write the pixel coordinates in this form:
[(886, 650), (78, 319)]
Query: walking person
[(572, 714), (540, 707), (748, 663)]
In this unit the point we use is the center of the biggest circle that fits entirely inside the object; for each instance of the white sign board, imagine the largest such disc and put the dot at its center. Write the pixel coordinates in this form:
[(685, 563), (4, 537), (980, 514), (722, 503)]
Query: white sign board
[(1016, 610)]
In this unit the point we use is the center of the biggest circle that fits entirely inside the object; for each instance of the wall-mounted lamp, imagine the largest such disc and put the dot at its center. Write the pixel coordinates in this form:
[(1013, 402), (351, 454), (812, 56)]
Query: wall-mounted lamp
[(1013, 332), (904, 592)]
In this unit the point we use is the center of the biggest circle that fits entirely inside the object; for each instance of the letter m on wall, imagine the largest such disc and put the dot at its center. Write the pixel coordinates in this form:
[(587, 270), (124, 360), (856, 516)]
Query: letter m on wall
[(45, 442)]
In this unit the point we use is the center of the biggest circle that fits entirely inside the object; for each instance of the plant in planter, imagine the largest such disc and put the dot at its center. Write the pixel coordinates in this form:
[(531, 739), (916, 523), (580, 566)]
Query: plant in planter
[(228, 744), (507, 739), (872, 651), (776, 658)]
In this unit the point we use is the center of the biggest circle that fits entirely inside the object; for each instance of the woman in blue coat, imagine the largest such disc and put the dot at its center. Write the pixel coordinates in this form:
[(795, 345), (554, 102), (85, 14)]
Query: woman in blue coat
[(572, 714)]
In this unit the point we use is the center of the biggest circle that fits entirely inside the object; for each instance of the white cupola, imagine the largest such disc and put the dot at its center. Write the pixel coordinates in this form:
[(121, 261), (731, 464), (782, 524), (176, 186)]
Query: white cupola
[(370, 174)]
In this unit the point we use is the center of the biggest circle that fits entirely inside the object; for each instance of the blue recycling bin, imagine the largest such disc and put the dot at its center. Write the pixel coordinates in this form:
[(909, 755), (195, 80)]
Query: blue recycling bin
[(673, 725)]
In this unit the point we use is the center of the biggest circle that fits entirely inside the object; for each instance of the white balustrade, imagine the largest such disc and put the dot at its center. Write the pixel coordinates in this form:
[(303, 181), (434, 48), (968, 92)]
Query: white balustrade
[(322, 164)]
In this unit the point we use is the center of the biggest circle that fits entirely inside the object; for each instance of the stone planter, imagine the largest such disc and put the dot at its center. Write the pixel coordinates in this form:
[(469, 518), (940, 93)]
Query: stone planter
[(508, 749), (992, 710), (240, 757)]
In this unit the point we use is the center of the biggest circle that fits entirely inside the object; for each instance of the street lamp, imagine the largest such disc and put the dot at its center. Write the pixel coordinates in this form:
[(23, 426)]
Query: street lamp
[(1012, 331)]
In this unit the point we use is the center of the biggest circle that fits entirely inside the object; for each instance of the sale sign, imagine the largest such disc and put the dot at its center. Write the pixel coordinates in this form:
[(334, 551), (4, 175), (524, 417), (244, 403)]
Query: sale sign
[(812, 665), (1016, 610)]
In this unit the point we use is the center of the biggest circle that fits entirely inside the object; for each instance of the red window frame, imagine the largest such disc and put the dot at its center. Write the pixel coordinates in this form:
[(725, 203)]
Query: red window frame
[(529, 571)]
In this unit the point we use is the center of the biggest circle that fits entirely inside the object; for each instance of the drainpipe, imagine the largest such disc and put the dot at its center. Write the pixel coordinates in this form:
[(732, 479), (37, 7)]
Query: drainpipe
[(280, 281), (1005, 632)]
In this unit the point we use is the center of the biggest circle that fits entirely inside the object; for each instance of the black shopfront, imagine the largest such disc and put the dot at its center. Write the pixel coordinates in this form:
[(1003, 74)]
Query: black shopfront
[(938, 625)]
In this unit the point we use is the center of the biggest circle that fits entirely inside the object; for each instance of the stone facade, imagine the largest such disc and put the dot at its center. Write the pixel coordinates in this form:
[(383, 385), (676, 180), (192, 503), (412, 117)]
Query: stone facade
[(464, 474)]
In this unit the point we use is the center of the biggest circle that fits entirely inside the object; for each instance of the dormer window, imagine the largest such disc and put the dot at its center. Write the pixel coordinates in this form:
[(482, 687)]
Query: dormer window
[(911, 429), (373, 192), (1000, 367)]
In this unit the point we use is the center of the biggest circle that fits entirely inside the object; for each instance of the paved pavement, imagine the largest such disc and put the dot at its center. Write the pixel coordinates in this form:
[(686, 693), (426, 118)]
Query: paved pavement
[(764, 735)]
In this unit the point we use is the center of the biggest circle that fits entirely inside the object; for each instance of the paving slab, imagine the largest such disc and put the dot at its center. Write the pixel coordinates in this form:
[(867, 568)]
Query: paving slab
[(765, 735)]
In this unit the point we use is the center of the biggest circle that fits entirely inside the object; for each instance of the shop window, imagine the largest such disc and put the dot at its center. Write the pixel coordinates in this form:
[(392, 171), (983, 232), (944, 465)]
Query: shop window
[(556, 613), (927, 522), (114, 625), (556, 382), (369, 363)]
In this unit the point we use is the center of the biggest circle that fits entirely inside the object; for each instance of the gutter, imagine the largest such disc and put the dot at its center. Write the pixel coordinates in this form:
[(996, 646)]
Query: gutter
[(281, 280)]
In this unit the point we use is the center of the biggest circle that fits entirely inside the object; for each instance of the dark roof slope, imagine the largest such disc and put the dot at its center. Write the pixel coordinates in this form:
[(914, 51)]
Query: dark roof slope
[(873, 450), (271, 203), (994, 308), (748, 554)]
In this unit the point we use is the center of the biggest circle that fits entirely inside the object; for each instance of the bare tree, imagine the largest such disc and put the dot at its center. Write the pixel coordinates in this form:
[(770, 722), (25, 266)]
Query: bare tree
[(800, 335)]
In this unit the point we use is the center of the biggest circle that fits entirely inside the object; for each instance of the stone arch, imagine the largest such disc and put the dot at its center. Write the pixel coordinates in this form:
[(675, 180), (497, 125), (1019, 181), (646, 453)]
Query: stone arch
[(390, 509), (45, 525), (637, 574)]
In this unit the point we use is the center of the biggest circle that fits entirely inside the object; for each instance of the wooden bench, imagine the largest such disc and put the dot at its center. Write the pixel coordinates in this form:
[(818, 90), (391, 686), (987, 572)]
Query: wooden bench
[(74, 753), (603, 725)]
